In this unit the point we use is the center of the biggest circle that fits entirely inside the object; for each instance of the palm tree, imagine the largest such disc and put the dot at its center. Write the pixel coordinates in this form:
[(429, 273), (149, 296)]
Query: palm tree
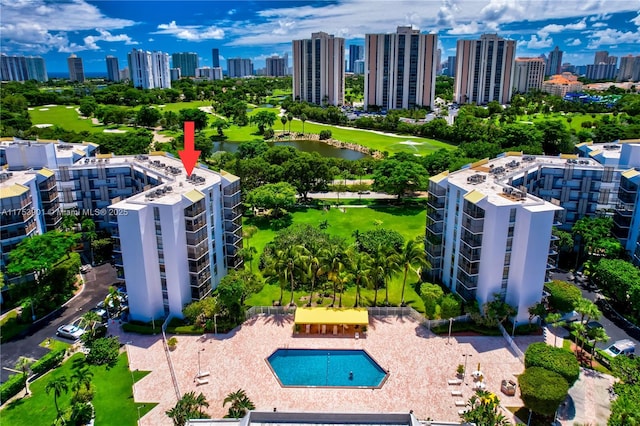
[(59, 386), (81, 414), (283, 266), (90, 319), (303, 118), (290, 118), (587, 310), (89, 234), (248, 253), (376, 273), (484, 410), (412, 255), (188, 407), (312, 270), (240, 404), (334, 259), (389, 262), (247, 233), (112, 299), (580, 330), (555, 320), (597, 335), (360, 266), (283, 120), (81, 379), (23, 365)]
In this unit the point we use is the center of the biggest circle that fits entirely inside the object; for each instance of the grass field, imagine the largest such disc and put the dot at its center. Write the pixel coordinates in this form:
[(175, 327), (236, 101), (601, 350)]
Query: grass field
[(64, 117), (113, 394), (408, 221), (380, 142), (576, 119)]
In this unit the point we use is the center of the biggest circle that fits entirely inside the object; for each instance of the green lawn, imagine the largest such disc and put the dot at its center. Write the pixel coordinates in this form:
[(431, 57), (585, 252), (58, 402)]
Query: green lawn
[(175, 107), (576, 118), (113, 394), (64, 117), (408, 221), (10, 327)]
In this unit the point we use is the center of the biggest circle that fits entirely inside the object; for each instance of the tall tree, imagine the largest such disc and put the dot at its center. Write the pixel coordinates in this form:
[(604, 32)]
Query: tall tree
[(360, 266), (303, 118), (81, 379), (398, 177), (412, 256), (23, 365), (334, 259), (283, 120), (58, 386)]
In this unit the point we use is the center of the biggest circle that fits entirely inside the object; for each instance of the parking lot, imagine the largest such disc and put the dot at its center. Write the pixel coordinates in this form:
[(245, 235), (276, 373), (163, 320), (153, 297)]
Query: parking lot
[(97, 282)]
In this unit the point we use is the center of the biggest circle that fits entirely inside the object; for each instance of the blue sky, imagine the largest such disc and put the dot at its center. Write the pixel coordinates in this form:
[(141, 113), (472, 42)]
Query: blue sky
[(257, 29)]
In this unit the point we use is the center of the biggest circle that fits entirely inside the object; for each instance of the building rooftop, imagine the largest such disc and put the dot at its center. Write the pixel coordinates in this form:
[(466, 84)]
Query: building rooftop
[(13, 184), (490, 178)]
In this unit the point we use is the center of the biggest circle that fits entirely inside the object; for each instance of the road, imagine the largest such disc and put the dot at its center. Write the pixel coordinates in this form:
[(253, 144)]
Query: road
[(616, 328), (97, 283)]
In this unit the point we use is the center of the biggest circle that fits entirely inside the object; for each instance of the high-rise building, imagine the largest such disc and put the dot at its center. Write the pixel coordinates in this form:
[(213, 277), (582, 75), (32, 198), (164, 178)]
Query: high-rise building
[(113, 68), (629, 68), (356, 53), (149, 70), (36, 68), (13, 68), (124, 74), (358, 67), (529, 74), (208, 73), (400, 69), (451, 66), (187, 62), (601, 71), (215, 58), (239, 67), (561, 84), (484, 70), (276, 66), (600, 57), (438, 61), (175, 237), (176, 73), (76, 69), (488, 229), (318, 69), (554, 63)]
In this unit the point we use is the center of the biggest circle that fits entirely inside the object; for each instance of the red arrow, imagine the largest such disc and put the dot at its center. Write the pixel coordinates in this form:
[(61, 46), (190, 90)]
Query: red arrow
[(189, 155)]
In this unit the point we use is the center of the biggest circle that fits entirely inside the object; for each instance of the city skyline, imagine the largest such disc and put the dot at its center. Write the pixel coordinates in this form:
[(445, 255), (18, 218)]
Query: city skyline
[(257, 30)]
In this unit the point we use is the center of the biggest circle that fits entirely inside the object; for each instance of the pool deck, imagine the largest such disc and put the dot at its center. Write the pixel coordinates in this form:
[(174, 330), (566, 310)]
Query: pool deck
[(419, 364)]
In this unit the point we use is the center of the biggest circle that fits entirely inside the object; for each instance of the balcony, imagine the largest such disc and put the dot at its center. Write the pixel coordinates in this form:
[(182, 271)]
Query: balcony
[(195, 252), (196, 225), (436, 228), (475, 226), (435, 203)]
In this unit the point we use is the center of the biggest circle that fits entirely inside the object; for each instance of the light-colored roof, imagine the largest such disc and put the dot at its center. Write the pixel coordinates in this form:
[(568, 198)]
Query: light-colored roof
[(439, 177), (630, 173), (46, 172), (359, 316), (474, 196), (8, 191), (194, 195)]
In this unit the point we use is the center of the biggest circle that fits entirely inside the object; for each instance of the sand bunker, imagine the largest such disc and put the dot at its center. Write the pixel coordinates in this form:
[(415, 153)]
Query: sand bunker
[(114, 131), (410, 143), (43, 109), (42, 126)]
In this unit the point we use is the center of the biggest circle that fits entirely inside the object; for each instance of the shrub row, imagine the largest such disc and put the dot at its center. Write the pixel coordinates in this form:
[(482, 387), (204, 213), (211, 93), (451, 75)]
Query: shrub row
[(49, 361), (553, 359), (562, 295), (11, 387), (466, 326), (542, 390)]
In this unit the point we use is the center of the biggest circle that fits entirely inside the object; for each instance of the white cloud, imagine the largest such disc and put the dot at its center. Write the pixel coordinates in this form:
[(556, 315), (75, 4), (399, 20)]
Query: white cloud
[(555, 28), (536, 43), (90, 41), (231, 12), (39, 26), (190, 32), (636, 20), (574, 42), (598, 25), (150, 39), (612, 36)]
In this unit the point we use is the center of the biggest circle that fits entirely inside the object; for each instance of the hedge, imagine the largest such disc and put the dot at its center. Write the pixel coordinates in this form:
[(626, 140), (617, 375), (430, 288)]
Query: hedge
[(11, 387), (542, 390), (49, 361), (562, 295), (553, 359)]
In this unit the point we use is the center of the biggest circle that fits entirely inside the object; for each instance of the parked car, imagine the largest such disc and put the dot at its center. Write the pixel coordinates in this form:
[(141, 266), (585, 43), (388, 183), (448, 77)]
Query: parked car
[(592, 325), (102, 313), (70, 331), (621, 347), (85, 268), (570, 316)]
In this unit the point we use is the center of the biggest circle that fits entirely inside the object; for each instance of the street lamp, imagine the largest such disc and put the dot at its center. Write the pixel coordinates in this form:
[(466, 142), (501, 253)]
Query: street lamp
[(466, 358), (450, 324), (199, 369), (215, 324), (139, 407), (133, 381)]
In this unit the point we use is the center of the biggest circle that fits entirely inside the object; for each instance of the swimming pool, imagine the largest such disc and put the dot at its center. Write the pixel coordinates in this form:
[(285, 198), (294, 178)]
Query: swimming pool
[(326, 368)]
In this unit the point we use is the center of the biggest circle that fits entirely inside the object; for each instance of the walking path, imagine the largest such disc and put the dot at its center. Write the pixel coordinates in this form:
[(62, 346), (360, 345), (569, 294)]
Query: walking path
[(589, 401)]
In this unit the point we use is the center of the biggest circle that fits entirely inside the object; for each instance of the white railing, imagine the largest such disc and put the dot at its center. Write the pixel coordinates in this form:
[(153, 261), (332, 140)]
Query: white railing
[(512, 344), (166, 351)]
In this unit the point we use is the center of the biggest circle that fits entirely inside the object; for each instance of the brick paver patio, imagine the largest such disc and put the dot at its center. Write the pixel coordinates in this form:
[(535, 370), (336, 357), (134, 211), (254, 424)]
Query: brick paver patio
[(419, 365)]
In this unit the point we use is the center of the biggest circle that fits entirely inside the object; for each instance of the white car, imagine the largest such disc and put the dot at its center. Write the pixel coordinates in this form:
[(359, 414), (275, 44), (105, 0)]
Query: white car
[(70, 332)]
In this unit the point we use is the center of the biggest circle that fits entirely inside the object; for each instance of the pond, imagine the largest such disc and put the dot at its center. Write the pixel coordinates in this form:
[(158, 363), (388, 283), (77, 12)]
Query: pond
[(307, 146)]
